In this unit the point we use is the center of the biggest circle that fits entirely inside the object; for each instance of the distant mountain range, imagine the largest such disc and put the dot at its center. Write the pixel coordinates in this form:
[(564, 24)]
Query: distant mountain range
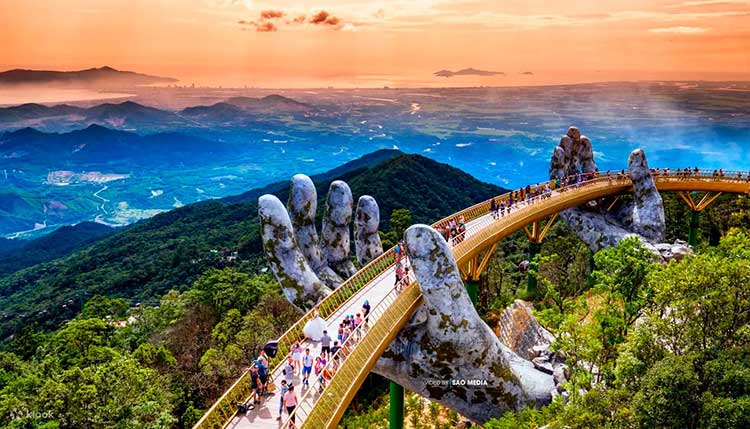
[(467, 72), (133, 116), (90, 77), (97, 145)]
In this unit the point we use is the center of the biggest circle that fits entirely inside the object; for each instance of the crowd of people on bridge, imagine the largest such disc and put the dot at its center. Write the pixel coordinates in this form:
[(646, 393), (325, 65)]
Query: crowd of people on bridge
[(694, 172), (402, 270), (302, 363), (454, 231)]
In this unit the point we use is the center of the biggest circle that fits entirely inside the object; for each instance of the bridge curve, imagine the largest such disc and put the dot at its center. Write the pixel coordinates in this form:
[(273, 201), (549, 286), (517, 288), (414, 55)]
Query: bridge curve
[(393, 309)]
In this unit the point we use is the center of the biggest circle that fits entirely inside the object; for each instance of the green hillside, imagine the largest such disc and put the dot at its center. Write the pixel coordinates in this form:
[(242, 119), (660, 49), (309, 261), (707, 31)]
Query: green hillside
[(171, 250), (59, 243)]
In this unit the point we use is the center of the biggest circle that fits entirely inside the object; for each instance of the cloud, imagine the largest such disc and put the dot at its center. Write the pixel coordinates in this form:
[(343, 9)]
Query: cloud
[(265, 24), (324, 18), (271, 14), (266, 27), (270, 18), (467, 72), (527, 73), (679, 30)]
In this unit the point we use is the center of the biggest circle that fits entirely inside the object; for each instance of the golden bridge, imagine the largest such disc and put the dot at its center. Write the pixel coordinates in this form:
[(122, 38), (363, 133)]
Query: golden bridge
[(392, 309)]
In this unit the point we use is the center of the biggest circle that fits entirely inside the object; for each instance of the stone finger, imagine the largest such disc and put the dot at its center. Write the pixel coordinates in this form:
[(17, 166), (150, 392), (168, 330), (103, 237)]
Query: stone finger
[(302, 206), (335, 229), (367, 242), (298, 281)]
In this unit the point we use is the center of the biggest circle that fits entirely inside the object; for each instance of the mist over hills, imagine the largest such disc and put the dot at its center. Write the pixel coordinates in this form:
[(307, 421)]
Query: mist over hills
[(132, 116), (212, 143), (89, 77)]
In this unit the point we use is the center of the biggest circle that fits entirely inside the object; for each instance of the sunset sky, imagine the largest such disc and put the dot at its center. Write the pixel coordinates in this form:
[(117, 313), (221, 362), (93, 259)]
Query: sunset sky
[(298, 43)]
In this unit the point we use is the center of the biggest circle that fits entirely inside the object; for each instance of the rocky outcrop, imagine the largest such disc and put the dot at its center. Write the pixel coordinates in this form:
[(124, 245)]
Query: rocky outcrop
[(366, 237), (518, 329)]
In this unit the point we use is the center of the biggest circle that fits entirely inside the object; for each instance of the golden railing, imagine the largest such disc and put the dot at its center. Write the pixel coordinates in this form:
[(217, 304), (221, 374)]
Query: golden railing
[(603, 184)]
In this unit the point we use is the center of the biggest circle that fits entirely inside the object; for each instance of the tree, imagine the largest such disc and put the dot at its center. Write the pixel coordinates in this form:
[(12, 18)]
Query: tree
[(228, 288), (669, 396), (400, 220), (563, 267), (103, 307), (621, 273)]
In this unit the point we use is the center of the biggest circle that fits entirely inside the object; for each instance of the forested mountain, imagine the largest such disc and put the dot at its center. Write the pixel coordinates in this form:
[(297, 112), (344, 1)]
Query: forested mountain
[(99, 146), (170, 250), (59, 243)]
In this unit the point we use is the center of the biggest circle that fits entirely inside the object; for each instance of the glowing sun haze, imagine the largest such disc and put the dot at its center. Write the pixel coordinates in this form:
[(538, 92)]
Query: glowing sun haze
[(298, 43)]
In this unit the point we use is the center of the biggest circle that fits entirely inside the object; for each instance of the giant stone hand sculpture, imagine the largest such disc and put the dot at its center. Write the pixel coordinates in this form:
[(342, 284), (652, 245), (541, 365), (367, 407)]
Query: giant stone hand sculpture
[(642, 217), (445, 341), (306, 268)]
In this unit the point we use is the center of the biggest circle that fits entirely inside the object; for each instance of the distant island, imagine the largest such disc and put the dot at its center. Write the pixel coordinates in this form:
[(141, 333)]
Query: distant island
[(89, 77), (467, 72)]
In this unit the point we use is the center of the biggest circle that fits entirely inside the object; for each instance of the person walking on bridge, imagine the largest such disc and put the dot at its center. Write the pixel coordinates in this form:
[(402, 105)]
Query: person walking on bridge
[(290, 402), (256, 388), (307, 364), (297, 357), (325, 345), (284, 389), (366, 308)]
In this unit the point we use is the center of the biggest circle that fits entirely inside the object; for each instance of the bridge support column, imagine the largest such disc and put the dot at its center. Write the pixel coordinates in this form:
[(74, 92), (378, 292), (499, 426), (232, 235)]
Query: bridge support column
[(696, 208), (535, 235), (531, 278), (396, 409), (472, 288), (472, 270), (592, 267), (694, 226)]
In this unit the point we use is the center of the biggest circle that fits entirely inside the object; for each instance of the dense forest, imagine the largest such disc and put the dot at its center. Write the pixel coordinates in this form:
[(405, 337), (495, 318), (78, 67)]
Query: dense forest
[(650, 345)]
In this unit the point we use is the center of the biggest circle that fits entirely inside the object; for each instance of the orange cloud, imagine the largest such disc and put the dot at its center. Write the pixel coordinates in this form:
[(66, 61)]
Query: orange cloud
[(265, 27), (271, 14), (324, 18)]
